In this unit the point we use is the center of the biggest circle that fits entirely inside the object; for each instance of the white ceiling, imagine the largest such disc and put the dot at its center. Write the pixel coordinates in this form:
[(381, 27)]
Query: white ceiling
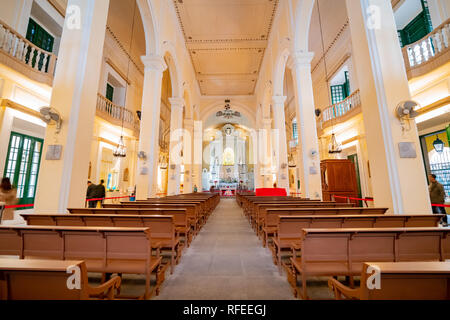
[(226, 40), (408, 10)]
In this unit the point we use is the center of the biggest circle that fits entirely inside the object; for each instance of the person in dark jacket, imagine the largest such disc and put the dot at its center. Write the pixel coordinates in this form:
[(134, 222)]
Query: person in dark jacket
[(437, 196), (90, 194), (101, 191)]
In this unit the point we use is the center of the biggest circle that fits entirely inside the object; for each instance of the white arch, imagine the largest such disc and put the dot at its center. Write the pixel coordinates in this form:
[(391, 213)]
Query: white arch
[(150, 27), (303, 14), (216, 106), (279, 71), (170, 55)]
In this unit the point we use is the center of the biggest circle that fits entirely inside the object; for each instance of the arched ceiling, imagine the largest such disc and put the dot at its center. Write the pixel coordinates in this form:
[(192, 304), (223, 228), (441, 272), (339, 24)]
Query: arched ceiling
[(226, 40)]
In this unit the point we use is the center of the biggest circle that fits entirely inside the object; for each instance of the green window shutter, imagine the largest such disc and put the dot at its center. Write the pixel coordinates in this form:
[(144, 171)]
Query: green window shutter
[(417, 29), (22, 165), (295, 131), (38, 36), (427, 16), (109, 92), (337, 94)]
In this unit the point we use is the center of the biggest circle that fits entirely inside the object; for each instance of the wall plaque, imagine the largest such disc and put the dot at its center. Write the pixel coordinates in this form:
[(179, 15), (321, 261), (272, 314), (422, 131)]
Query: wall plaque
[(407, 150), (54, 152)]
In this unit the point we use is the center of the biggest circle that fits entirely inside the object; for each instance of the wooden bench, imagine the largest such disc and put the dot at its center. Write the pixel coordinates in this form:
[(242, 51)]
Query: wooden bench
[(201, 206), (400, 281), (271, 218), (288, 234), (261, 210), (191, 210), (343, 252), (182, 223), (162, 228), (48, 280), (104, 250)]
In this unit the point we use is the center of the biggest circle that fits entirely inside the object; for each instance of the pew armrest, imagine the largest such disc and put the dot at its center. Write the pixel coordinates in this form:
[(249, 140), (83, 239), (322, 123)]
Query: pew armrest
[(341, 290), (108, 287), (295, 248)]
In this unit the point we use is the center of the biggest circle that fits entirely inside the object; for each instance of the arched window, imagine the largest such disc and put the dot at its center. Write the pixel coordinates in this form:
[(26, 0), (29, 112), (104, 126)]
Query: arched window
[(295, 131)]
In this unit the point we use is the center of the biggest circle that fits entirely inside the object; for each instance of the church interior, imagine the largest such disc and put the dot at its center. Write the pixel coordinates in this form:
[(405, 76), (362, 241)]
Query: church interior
[(224, 149)]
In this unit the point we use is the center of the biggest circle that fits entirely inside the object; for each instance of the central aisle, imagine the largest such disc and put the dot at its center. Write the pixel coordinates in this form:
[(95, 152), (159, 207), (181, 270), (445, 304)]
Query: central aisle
[(226, 262)]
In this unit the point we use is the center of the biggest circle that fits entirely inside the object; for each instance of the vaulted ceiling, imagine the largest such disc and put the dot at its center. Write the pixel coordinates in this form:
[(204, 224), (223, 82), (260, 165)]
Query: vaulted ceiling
[(226, 40)]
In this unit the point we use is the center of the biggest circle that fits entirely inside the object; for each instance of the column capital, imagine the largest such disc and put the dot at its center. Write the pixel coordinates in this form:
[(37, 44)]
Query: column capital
[(279, 100), (301, 59), (267, 121), (154, 62), (189, 123), (176, 103)]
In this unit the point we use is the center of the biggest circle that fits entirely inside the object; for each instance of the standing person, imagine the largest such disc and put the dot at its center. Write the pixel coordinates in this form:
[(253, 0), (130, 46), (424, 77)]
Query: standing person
[(8, 195), (101, 191), (90, 194), (437, 196), (195, 188)]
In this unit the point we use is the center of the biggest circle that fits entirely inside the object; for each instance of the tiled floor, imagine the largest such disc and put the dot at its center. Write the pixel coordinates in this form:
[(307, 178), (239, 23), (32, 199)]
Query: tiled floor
[(226, 261)]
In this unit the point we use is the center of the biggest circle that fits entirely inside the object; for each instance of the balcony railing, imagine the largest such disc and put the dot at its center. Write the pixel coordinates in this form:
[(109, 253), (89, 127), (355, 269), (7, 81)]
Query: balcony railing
[(40, 62), (339, 109), (115, 114), (433, 47)]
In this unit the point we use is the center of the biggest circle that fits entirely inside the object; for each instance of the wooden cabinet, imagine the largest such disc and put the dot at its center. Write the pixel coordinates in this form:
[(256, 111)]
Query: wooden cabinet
[(338, 178)]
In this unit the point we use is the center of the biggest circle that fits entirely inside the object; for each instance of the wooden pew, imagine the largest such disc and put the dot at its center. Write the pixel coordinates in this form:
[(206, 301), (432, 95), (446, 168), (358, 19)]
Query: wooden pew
[(191, 209), (261, 210), (271, 218), (182, 223), (202, 207), (162, 228), (104, 250), (343, 252), (47, 280), (289, 230), (400, 281)]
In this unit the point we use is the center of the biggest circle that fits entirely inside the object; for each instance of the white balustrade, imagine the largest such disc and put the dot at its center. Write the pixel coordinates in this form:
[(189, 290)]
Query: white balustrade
[(429, 47), (18, 47), (339, 109), (117, 112)]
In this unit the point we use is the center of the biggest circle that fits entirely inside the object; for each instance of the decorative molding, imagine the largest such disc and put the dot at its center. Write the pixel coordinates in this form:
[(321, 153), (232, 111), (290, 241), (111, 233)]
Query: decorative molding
[(116, 69), (124, 50), (336, 38)]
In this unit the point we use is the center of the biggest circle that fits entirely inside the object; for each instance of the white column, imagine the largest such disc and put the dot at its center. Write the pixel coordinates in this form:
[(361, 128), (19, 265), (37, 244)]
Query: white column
[(265, 155), (308, 154), (147, 168), (17, 14), (188, 141), (62, 183), (398, 183), (198, 154), (439, 11), (176, 126), (280, 137)]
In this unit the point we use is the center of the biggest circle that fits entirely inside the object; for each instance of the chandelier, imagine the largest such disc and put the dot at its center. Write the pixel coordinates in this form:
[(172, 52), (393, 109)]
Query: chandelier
[(334, 147), (228, 113), (120, 151)]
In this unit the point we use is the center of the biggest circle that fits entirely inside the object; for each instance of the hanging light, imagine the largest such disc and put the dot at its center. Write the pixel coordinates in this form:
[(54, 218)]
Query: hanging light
[(334, 147), (120, 151), (438, 145)]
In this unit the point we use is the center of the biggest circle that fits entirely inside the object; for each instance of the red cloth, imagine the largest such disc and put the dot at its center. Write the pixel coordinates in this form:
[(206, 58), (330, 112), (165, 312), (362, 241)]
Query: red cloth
[(271, 192)]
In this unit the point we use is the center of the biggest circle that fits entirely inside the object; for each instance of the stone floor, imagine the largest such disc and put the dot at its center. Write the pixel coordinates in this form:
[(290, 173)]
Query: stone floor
[(226, 261)]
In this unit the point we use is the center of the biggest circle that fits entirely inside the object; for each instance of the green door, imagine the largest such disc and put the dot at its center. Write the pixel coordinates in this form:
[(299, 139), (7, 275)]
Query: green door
[(22, 165), (354, 159)]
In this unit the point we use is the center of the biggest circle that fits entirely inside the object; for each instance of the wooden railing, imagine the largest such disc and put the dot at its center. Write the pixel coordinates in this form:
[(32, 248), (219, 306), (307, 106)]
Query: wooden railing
[(433, 47), (26, 53), (339, 109), (115, 114)]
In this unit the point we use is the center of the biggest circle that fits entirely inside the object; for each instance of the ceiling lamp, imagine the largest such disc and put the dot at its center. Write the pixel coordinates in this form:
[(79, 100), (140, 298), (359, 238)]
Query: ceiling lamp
[(228, 113), (120, 151), (438, 145), (334, 147)]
